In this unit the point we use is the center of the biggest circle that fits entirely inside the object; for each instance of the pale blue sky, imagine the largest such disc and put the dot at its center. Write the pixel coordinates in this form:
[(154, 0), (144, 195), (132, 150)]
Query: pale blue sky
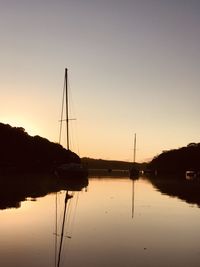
[(133, 67)]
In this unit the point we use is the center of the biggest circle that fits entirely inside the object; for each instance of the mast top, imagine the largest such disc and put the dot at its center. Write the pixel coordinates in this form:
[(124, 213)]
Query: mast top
[(134, 152)]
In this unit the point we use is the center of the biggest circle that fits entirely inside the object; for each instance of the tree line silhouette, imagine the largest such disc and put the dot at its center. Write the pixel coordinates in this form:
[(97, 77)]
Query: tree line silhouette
[(110, 164), (22, 152), (177, 160)]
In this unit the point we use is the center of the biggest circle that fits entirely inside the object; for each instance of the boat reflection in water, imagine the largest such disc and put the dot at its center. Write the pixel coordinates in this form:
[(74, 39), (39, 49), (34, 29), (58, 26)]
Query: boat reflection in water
[(71, 185), (134, 175)]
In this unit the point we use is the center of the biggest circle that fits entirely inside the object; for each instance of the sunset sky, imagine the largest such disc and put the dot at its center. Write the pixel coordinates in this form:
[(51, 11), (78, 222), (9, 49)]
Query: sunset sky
[(134, 67)]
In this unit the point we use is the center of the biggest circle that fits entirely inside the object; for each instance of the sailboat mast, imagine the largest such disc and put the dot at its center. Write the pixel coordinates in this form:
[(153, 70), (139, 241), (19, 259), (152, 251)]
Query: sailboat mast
[(134, 151), (67, 107)]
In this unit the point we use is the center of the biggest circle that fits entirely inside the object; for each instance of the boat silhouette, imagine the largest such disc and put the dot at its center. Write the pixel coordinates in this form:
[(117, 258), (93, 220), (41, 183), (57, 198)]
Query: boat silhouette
[(71, 188), (133, 171), (69, 170)]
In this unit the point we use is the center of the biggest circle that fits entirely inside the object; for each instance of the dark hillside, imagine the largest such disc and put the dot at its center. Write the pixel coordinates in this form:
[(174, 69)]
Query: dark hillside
[(177, 160), (22, 152), (110, 164)]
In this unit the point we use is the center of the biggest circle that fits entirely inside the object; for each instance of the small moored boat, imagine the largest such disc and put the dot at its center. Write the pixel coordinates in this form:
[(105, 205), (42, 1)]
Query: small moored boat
[(72, 170), (133, 171), (190, 175)]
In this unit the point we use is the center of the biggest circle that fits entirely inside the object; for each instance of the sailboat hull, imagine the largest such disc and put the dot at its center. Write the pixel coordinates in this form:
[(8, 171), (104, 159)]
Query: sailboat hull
[(134, 173), (71, 171)]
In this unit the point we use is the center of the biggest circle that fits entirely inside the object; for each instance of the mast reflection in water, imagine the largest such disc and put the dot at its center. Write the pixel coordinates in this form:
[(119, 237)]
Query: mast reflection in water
[(72, 185)]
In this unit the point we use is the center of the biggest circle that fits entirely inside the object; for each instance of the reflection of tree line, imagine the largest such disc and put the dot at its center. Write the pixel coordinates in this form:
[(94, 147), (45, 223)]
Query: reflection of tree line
[(181, 188), (17, 188)]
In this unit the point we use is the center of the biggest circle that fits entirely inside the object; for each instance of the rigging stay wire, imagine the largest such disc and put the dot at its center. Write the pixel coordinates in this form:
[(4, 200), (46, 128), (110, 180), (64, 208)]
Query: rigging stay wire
[(74, 142), (62, 110)]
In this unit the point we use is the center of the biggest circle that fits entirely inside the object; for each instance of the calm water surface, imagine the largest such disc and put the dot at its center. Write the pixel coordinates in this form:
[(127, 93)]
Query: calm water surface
[(112, 222)]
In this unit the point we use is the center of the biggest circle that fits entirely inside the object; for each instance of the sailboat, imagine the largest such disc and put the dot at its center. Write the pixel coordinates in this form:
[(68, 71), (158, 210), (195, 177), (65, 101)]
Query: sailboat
[(68, 170), (133, 171)]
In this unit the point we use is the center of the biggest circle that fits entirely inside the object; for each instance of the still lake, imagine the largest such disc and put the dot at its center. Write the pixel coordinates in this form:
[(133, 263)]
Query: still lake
[(114, 221)]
